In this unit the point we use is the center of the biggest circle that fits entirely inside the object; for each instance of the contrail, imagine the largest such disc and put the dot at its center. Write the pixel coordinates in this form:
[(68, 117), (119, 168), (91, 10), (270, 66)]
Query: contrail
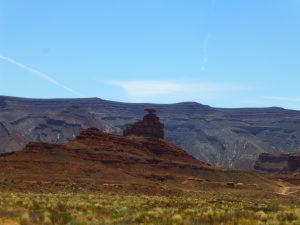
[(205, 49), (40, 75)]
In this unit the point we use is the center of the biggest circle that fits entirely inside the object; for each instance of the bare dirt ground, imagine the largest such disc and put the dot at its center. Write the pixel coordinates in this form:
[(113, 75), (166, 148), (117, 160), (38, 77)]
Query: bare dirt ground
[(288, 189)]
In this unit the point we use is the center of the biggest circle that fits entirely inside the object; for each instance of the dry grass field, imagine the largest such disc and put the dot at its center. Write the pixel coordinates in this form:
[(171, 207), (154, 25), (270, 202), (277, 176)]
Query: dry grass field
[(231, 207)]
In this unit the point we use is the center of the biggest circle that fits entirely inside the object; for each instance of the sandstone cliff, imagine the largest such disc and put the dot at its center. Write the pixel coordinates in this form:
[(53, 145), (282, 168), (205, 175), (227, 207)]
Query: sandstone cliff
[(278, 162), (102, 158), (150, 126), (232, 137)]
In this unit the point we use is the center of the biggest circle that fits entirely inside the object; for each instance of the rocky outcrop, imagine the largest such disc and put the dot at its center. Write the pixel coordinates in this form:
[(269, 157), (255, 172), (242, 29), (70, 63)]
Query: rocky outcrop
[(97, 158), (294, 162), (273, 158), (278, 162), (101, 156), (231, 137), (150, 126), (272, 162)]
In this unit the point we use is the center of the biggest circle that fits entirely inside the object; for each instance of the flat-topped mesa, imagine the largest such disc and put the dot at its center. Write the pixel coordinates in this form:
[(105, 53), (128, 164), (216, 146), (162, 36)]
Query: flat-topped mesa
[(150, 126), (278, 162)]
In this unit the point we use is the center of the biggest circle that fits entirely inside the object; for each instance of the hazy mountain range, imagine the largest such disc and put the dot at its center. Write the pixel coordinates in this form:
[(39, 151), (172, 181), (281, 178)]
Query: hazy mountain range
[(232, 137)]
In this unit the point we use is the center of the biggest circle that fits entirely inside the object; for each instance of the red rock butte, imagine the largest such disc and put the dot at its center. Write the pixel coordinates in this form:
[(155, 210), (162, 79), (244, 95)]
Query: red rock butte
[(278, 162), (150, 126), (95, 158)]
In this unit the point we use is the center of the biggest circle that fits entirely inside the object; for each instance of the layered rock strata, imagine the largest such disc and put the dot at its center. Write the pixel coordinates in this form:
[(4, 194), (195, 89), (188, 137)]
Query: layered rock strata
[(278, 162), (150, 126), (231, 137), (96, 157)]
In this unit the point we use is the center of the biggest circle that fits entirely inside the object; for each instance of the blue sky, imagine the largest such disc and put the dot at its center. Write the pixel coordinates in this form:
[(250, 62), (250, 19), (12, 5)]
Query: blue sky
[(225, 53)]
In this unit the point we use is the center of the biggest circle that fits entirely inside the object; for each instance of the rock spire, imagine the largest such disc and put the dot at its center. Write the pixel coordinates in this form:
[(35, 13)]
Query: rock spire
[(150, 126)]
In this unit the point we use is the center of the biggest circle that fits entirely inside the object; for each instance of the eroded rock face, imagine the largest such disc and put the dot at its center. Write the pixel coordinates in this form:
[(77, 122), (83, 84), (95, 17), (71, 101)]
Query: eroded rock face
[(95, 159), (231, 137), (273, 158), (294, 162), (150, 126), (96, 155), (278, 162), (2, 103)]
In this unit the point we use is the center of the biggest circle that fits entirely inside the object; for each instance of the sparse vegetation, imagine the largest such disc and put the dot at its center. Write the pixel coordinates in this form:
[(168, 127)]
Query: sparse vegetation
[(82, 209)]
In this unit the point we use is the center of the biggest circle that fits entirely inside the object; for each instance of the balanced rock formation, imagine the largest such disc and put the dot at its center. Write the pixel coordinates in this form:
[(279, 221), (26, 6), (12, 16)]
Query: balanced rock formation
[(99, 158), (150, 126), (230, 137)]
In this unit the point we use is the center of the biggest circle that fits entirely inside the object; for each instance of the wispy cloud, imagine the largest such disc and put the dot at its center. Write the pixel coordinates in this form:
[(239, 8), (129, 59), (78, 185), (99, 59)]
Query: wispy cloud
[(284, 99), (159, 90), (147, 89), (40, 74), (204, 59), (207, 39)]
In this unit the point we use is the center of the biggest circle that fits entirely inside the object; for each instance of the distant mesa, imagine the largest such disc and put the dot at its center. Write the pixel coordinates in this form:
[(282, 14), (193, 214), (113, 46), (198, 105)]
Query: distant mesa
[(204, 131), (279, 162), (150, 126)]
